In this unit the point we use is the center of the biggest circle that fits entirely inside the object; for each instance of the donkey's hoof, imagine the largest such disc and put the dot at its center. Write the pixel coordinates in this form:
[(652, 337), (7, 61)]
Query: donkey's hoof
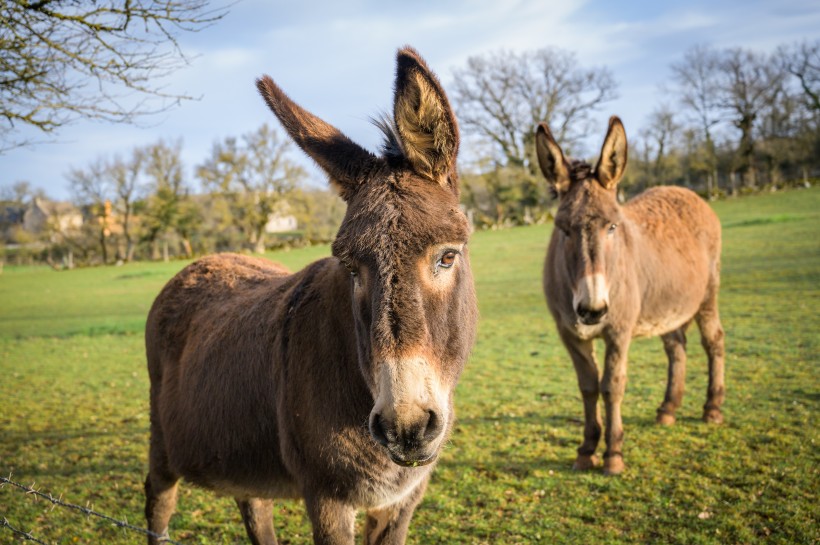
[(713, 416), (585, 462), (665, 419), (614, 465)]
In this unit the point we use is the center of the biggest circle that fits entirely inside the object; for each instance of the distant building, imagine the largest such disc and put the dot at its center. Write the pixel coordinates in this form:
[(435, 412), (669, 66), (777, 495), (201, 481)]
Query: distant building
[(56, 217), (280, 224), (282, 220)]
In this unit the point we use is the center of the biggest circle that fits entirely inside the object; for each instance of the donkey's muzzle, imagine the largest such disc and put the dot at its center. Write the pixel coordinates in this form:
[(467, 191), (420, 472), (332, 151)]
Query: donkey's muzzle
[(409, 444), (590, 316)]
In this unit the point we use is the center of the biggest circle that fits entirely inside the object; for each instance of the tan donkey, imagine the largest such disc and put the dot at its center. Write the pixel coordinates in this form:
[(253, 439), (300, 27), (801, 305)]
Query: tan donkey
[(333, 384), (615, 272)]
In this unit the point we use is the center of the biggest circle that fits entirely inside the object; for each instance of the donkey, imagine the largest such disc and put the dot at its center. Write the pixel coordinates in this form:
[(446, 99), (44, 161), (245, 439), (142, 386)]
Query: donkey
[(335, 383), (646, 268)]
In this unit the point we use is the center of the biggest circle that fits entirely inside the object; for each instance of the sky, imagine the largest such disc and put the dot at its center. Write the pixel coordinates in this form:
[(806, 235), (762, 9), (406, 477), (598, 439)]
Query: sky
[(337, 59)]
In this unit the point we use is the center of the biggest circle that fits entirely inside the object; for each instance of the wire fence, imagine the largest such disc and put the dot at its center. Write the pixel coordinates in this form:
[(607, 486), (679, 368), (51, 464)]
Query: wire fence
[(29, 490), (16, 531)]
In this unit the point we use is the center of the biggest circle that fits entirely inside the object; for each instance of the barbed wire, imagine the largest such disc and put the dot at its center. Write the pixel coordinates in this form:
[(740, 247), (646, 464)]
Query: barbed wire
[(25, 535), (84, 510)]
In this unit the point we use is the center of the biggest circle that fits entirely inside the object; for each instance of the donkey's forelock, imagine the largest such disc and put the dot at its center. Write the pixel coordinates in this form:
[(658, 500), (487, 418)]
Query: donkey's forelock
[(579, 170), (398, 215)]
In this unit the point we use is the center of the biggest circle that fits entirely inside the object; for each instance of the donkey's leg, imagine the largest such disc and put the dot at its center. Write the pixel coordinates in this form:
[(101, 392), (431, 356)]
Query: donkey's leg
[(257, 514), (388, 525), (333, 521), (711, 334), (674, 343), (613, 386), (160, 488), (586, 370)]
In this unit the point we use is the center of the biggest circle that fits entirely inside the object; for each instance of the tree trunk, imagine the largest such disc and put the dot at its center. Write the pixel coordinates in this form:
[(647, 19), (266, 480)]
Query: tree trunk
[(103, 247), (130, 248), (126, 233), (656, 175), (186, 247), (259, 244), (746, 151)]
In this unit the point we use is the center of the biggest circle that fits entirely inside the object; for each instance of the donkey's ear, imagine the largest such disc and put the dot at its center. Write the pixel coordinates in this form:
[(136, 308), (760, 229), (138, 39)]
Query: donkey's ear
[(551, 159), (341, 158), (612, 163), (424, 120)]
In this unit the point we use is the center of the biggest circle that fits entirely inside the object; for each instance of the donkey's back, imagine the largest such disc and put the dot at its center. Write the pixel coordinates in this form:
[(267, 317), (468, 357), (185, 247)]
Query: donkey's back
[(205, 383), (675, 254), (189, 303), (678, 216)]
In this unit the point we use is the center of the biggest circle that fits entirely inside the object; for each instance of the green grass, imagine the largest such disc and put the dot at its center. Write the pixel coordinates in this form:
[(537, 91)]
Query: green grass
[(39, 302), (74, 403)]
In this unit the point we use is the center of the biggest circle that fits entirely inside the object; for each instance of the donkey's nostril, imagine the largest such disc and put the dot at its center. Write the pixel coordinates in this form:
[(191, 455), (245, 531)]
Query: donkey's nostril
[(408, 437), (591, 316), (434, 425), (377, 430)]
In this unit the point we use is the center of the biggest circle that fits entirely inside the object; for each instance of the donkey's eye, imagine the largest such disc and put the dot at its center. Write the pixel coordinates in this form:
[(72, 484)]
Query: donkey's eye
[(447, 259), (612, 228)]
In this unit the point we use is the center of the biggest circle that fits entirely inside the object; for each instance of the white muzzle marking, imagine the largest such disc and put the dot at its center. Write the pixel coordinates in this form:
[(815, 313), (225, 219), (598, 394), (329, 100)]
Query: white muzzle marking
[(592, 292), (407, 389)]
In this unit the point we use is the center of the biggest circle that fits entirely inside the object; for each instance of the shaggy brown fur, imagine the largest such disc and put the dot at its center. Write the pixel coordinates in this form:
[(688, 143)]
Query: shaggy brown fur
[(335, 383), (646, 268)]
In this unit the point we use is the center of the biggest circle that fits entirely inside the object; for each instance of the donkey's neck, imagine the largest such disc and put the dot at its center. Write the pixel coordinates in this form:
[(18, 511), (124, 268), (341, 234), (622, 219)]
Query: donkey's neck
[(315, 354)]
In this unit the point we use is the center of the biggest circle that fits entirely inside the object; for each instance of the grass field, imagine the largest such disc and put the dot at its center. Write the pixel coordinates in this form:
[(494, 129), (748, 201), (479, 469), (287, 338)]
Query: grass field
[(74, 407)]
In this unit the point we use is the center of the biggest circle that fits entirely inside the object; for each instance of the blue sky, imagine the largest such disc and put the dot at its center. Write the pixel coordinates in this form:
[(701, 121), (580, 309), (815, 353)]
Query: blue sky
[(337, 60)]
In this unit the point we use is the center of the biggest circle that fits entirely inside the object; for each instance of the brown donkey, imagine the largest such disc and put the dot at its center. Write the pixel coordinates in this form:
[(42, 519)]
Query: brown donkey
[(333, 384), (646, 268)]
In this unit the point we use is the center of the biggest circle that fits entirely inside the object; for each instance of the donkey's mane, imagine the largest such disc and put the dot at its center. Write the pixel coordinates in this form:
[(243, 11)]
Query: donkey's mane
[(392, 147), (579, 170)]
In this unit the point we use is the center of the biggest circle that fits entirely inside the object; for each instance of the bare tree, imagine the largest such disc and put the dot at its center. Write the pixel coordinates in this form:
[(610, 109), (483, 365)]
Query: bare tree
[(789, 124), (255, 176), (803, 61), (21, 192), (61, 60), (751, 81), (659, 135), (128, 189), (94, 191), (501, 96), (698, 80)]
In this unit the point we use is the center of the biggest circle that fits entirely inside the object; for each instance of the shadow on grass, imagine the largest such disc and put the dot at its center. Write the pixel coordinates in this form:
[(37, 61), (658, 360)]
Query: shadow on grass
[(503, 465), (84, 452), (808, 396), (765, 220)]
